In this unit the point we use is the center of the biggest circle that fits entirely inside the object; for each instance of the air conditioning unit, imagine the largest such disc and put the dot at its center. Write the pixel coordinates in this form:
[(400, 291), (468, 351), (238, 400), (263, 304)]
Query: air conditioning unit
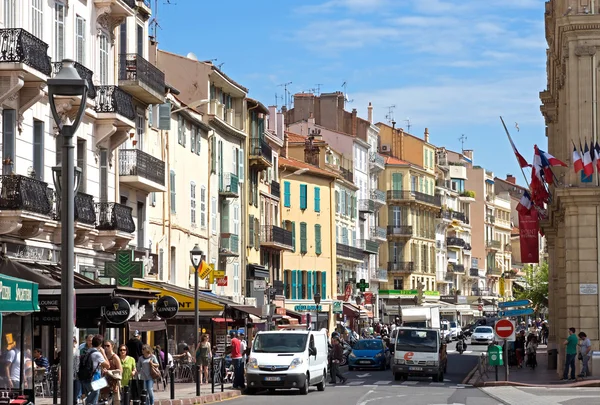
[(385, 148)]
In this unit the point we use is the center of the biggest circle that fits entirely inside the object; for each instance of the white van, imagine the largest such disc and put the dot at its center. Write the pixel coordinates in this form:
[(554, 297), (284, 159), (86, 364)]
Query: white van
[(287, 359)]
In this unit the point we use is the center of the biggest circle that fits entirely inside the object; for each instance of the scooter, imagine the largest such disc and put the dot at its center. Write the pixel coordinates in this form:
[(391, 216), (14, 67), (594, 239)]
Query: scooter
[(461, 346)]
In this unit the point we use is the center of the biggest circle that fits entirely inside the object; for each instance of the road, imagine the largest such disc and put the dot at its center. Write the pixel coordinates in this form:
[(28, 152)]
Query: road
[(368, 387)]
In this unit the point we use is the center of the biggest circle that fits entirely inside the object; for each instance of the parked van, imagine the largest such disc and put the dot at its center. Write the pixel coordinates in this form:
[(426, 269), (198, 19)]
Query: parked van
[(287, 359)]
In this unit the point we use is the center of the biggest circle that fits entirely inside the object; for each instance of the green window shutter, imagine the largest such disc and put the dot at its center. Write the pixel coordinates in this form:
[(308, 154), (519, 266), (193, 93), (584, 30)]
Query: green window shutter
[(299, 282), (323, 285), (293, 236), (317, 199), (337, 201), (225, 218), (303, 196), (287, 200), (251, 230), (397, 181), (286, 284), (318, 239), (309, 285), (303, 248), (294, 284)]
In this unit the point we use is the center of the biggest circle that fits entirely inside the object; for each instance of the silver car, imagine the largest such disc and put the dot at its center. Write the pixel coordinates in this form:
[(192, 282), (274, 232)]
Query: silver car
[(482, 335)]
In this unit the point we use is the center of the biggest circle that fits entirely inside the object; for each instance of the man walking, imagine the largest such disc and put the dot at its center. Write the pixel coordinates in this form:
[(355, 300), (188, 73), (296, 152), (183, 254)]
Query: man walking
[(337, 357), (134, 346), (238, 364), (571, 346), (90, 369)]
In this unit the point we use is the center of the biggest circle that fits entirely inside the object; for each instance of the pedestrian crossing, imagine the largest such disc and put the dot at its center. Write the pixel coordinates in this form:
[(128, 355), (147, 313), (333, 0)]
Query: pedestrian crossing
[(465, 352), (402, 384)]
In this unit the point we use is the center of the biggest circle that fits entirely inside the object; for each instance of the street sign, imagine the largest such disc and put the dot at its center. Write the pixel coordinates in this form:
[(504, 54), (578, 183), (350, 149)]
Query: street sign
[(511, 304), (362, 285), (222, 282), (505, 329), (204, 270), (516, 312), (215, 274)]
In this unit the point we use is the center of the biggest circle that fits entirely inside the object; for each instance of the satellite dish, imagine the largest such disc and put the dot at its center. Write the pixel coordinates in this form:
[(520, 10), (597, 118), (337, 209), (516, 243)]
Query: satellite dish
[(192, 56)]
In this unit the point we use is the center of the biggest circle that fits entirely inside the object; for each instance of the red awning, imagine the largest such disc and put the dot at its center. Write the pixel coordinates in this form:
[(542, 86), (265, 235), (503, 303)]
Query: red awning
[(222, 320)]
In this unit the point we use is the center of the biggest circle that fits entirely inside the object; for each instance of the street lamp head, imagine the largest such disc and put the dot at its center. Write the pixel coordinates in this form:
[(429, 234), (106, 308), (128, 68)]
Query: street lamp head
[(196, 256), (57, 178), (67, 83), (317, 298)]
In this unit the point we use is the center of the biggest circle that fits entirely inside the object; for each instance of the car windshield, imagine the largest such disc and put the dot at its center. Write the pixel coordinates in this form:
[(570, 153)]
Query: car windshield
[(453, 324), (483, 329), (280, 343), (368, 345), (417, 341)]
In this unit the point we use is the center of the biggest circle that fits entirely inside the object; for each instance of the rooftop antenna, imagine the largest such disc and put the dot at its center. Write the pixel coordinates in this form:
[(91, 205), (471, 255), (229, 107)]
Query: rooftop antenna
[(462, 140), (285, 92), (407, 120), (390, 115), (153, 24), (318, 88), (219, 65), (346, 98)]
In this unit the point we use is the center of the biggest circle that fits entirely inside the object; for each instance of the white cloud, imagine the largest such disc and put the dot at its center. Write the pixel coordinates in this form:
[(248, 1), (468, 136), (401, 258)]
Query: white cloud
[(363, 6)]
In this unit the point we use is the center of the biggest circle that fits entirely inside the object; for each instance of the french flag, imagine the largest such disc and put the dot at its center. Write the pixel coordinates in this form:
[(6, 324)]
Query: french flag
[(538, 186), (588, 166), (597, 155), (547, 162), (577, 160), (525, 204), (552, 161)]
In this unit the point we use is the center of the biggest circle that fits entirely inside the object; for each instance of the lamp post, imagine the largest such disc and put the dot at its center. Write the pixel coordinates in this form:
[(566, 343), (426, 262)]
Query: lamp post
[(317, 298), (196, 257), (67, 83)]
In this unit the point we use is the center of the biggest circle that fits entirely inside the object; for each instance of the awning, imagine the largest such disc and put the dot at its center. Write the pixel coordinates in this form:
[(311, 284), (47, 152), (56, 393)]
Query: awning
[(208, 304), (257, 312), (293, 314), (257, 271), (46, 276), (148, 326), (18, 295)]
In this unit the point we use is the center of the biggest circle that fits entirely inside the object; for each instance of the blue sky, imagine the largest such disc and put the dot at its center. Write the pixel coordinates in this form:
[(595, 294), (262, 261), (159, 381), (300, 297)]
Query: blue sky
[(452, 66)]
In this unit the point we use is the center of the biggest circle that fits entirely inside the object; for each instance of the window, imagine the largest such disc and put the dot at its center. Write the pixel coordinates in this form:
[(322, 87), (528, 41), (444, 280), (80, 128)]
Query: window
[(123, 39), (193, 134), (10, 14), (236, 219), (398, 284), (141, 222), (37, 18), (198, 141), (235, 168), (317, 199), (140, 40), (303, 196), (180, 130), (337, 202), (213, 215), (79, 40), (103, 175), (81, 163), (9, 122), (193, 203), (104, 49), (173, 194), (140, 129), (241, 162), (397, 181), (303, 245), (38, 149), (213, 155), (318, 239), (173, 260), (287, 194), (203, 207), (236, 278), (59, 31)]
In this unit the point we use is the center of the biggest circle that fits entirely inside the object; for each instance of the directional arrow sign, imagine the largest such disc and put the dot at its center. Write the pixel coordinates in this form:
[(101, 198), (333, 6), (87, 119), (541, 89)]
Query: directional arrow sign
[(519, 303), (516, 312)]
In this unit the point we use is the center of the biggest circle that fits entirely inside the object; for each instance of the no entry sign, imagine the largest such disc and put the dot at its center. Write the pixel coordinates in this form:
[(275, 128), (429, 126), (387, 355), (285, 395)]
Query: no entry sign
[(505, 329)]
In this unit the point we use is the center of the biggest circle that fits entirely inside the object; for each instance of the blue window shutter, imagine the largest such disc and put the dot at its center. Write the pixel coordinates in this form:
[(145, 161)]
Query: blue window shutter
[(303, 232), (294, 283), (309, 285), (303, 196), (287, 200), (299, 284), (317, 239), (324, 285), (317, 199), (293, 236)]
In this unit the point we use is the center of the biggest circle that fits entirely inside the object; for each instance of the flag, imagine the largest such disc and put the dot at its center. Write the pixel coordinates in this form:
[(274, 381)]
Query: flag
[(525, 204), (539, 194), (552, 160), (547, 162), (588, 167), (597, 155), (520, 158), (528, 235), (577, 160)]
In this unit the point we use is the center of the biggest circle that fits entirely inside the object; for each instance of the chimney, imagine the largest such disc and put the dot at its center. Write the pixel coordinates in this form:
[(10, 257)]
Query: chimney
[(426, 137), (354, 122), (370, 113), (280, 129), (511, 179), (284, 152), (272, 118), (468, 153), (311, 119)]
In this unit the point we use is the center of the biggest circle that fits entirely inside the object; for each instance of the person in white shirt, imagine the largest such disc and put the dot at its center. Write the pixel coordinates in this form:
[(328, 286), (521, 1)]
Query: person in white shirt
[(243, 346)]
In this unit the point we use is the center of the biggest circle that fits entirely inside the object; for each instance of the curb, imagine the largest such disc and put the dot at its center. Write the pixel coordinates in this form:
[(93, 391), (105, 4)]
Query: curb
[(203, 399), (470, 375), (487, 384)]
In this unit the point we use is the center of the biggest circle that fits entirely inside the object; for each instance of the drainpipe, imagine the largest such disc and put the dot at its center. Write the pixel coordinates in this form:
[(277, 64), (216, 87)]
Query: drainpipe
[(332, 277)]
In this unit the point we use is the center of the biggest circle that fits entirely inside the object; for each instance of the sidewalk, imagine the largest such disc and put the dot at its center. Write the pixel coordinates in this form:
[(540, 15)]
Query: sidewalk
[(485, 376), (185, 394)]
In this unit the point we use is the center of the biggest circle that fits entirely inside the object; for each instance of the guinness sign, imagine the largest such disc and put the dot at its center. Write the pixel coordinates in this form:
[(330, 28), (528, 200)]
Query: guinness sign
[(167, 307), (118, 312)]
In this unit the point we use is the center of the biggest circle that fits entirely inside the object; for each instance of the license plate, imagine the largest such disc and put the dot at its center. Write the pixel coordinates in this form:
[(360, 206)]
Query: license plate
[(272, 378), (415, 368), (364, 362)]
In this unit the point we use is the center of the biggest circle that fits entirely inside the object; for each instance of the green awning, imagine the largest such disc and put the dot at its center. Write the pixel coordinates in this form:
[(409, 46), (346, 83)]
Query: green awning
[(18, 295)]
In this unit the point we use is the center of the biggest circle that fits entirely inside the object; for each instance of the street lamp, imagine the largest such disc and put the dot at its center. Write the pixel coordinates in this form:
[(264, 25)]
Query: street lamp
[(67, 83), (317, 298), (196, 257)]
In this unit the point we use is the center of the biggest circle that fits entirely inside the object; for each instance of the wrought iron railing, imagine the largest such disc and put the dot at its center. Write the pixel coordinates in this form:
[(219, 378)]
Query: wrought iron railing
[(275, 234), (493, 271), (134, 67), (378, 232), (275, 189), (401, 266), (114, 217), (459, 268), (111, 99), (474, 272), (400, 230), (349, 251), (130, 3), (347, 174), (20, 46), (261, 148), (229, 183), (416, 195), (445, 214), (230, 243), (366, 206), (378, 196), (24, 193), (452, 241), (368, 246), (85, 210), (460, 216), (376, 159), (493, 244), (84, 73), (134, 162)]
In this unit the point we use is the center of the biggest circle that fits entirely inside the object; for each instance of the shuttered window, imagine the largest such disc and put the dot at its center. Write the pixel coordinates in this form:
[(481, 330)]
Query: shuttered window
[(318, 239), (241, 163), (287, 194), (79, 40), (317, 199), (323, 285), (303, 196), (309, 285), (337, 202), (293, 236), (294, 284), (193, 203), (172, 187), (251, 231), (397, 181), (213, 155), (203, 207), (9, 122), (303, 244)]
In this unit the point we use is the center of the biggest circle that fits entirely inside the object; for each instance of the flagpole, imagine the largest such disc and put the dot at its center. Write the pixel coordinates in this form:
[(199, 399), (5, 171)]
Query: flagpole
[(510, 140)]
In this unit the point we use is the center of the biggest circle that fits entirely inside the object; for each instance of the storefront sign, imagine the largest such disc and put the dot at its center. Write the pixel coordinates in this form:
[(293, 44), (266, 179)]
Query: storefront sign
[(338, 307), (167, 307), (118, 312), (124, 269), (18, 295), (409, 292), (308, 308), (34, 253)]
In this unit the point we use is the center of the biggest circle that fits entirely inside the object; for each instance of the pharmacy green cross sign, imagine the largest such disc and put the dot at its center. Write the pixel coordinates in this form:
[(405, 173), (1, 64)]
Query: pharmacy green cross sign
[(362, 285), (124, 269)]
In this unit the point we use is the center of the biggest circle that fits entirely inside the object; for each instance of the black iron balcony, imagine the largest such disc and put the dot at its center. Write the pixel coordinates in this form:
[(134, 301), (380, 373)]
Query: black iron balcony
[(141, 78), (142, 169), (275, 189), (112, 99), (401, 195), (493, 244), (85, 210), (378, 196), (84, 73), (473, 272), (378, 233), (368, 246), (400, 230), (456, 268), (456, 242), (24, 193), (347, 174), (261, 153), (229, 185), (114, 217), (366, 206), (444, 214), (349, 252), (493, 271), (401, 267), (20, 46), (460, 216), (230, 245), (130, 3), (276, 237)]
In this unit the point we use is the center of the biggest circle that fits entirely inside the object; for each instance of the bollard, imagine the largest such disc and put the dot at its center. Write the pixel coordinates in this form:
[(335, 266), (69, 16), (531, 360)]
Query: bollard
[(197, 377), (55, 386), (212, 372), (223, 374), (143, 397), (125, 398), (172, 381)]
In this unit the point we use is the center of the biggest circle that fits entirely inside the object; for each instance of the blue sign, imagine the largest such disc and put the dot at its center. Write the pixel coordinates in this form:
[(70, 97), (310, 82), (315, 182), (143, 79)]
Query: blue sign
[(510, 304), (308, 308), (516, 312)]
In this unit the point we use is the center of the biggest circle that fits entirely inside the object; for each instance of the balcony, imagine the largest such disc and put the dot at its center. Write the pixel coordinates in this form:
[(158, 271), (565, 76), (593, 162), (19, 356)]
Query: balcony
[(349, 253), (508, 248), (459, 216), (456, 242), (376, 161), (347, 174), (378, 274), (378, 197), (449, 277), (276, 238), (114, 9), (491, 219), (112, 100), (25, 206), (368, 246), (401, 267), (229, 245), (493, 271), (141, 170), (275, 189), (141, 79), (366, 206), (413, 196), (84, 73), (21, 51), (400, 231), (482, 292), (377, 233), (456, 268), (114, 217), (260, 155), (85, 210), (444, 214), (229, 185), (473, 272), (493, 244)]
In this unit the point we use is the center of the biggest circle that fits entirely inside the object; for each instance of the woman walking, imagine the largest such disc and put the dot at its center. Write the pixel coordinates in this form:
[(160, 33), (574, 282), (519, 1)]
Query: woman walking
[(127, 365), (203, 353), (113, 373), (144, 367)]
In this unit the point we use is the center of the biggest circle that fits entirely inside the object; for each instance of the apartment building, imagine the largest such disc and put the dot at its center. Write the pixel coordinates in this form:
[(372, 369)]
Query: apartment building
[(222, 104)]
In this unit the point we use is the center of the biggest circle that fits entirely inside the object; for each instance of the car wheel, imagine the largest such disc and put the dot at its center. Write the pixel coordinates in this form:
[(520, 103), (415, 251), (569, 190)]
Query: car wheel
[(321, 385), (304, 389)]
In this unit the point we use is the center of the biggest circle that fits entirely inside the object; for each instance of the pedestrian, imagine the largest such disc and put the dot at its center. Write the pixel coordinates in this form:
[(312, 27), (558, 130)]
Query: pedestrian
[(87, 345), (571, 349), (520, 348), (134, 345), (40, 360), (144, 363), (114, 374), (337, 358), (236, 360), (532, 346), (90, 369), (544, 333), (127, 365), (203, 354), (584, 354)]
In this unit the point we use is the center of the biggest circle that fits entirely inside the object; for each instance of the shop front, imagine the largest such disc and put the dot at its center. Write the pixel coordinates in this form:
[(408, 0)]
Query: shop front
[(317, 316)]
